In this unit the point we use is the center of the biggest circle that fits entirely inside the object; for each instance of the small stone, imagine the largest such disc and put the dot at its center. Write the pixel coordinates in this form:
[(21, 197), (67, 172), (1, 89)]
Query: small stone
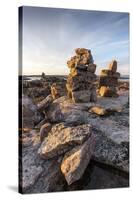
[(44, 131), (98, 110)]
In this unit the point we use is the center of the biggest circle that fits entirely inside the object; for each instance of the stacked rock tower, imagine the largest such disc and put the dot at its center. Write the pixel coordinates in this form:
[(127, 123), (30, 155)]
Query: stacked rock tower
[(81, 80), (109, 80)]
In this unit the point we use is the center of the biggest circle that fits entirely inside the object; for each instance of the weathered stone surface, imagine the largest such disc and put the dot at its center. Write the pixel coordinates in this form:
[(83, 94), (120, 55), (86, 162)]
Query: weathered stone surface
[(113, 66), (112, 153), (107, 92), (93, 97), (64, 110), (75, 161), (39, 125), (104, 111), (58, 90), (106, 72), (82, 96), (91, 68), (45, 103), (37, 92), (44, 131), (109, 80), (81, 76), (38, 175), (116, 75), (30, 114), (61, 139)]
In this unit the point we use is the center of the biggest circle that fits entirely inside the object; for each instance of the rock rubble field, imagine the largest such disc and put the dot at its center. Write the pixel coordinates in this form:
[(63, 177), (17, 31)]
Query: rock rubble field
[(67, 122)]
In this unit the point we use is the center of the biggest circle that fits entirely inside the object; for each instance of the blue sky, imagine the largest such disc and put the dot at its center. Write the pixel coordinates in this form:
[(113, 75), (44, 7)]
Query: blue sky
[(50, 36)]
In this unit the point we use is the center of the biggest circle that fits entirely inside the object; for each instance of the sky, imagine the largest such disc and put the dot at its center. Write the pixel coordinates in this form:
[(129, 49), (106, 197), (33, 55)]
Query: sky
[(50, 36)]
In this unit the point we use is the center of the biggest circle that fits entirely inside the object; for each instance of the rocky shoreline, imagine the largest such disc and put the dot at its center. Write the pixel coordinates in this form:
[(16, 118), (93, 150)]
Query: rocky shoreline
[(69, 123), (61, 164)]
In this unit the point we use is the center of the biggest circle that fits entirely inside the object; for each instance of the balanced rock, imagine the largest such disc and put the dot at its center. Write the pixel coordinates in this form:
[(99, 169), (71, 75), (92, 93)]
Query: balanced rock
[(81, 79), (107, 92), (58, 90), (76, 160), (109, 80), (113, 66), (62, 138)]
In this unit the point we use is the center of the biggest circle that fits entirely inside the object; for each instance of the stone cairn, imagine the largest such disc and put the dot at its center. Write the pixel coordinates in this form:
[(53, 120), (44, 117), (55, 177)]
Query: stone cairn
[(109, 80), (58, 90), (81, 80)]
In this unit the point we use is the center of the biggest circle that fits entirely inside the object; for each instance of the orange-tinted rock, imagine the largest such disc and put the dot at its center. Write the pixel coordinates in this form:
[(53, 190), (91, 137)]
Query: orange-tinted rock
[(107, 92), (81, 78), (113, 66), (58, 90)]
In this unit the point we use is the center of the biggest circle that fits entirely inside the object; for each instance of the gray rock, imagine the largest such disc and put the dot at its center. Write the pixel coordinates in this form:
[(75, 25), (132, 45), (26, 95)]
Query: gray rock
[(38, 175), (75, 161), (118, 133), (82, 96), (30, 114), (44, 130), (63, 110), (45, 103), (111, 153), (62, 138)]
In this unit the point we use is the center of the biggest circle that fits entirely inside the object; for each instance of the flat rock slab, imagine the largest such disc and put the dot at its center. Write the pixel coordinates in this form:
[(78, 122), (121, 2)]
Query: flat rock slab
[(75, 161), (112, 141), (62, 138), (112, 102), (108, 152), (64, 110)]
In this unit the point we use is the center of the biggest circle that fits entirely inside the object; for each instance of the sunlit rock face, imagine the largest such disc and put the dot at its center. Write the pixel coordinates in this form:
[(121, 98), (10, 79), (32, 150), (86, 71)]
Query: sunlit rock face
[(81, 80), (109, 80)]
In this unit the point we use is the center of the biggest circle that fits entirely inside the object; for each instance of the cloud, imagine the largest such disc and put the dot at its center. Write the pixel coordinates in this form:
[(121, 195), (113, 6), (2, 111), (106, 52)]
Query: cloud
[(51, 35)]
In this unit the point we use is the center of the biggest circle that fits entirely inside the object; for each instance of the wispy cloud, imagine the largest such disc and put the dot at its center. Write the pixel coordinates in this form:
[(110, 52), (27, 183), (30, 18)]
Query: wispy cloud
[(51, 35)]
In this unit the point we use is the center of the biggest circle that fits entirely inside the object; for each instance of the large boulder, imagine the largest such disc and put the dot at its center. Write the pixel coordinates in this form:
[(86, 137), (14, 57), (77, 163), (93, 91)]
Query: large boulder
[(76, 160), (63, 110), (42, 105), (62, 138), (82, 96), (112, 152), (31, 116)]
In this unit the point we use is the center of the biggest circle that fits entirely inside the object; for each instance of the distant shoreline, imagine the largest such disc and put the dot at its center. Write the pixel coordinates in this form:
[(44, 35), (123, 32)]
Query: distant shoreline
[(37, 77)]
